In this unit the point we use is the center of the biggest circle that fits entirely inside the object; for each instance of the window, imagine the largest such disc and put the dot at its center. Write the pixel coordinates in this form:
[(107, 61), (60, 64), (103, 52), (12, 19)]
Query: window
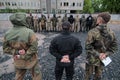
[(14, 4), (66, 3), (34, 4), (61, 4), (21, 4), (73, 4), (25, 4), (0, 3), (18, 3), (31, 3), (28, 4), (38, 4), (7, 3), (78, 4)]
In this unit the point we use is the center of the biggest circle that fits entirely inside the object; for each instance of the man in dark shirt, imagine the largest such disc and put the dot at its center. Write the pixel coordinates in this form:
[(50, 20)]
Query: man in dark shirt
[(65, 48)]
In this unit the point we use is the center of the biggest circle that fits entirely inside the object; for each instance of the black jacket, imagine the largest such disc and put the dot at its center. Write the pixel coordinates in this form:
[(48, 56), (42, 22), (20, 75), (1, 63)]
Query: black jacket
[(71, 19), (65, 44)]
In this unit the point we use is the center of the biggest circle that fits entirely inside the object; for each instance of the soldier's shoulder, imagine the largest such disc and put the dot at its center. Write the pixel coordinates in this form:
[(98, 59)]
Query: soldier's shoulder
[(27, 30), (9, 31), (94, 31)]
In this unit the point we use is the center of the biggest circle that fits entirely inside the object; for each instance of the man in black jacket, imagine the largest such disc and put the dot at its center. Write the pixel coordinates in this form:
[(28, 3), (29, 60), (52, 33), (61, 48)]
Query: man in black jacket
[(65, 48)]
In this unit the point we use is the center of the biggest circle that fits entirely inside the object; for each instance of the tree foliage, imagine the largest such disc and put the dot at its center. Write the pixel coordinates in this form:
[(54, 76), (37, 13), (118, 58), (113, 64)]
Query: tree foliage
[(112, 6), (87, 6)]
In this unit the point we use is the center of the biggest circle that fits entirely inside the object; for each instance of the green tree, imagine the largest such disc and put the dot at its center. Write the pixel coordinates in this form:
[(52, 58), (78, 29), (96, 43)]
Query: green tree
[(106, 5), (96, 4), (88, 6), (113, 6)]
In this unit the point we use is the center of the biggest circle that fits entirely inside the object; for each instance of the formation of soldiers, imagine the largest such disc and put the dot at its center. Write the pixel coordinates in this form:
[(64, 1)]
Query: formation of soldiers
[(54, 23)]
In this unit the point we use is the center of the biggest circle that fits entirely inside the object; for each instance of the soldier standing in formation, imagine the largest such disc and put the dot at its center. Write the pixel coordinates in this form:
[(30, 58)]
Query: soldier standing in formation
[(42, 22), (54, 21), (65, 48), (100, 43), (35, 23), (89, 22), (29, 21), (65, 18), (77, 22), (21, 42), (49, 27), (72, 21), (82, 23), (59, 23)]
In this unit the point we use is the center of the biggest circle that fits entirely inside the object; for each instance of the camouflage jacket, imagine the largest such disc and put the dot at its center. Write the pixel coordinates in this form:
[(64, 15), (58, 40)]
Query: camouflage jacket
[(54, 21), (100, 41), (19, 37)]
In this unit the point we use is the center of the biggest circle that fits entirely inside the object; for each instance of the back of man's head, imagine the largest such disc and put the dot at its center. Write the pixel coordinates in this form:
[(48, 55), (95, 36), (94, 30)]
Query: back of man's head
[(66, 25)]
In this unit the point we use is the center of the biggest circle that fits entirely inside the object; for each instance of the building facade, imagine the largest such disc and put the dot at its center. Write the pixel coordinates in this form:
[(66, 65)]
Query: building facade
[(43, 6), (22, 4), (70, 5)]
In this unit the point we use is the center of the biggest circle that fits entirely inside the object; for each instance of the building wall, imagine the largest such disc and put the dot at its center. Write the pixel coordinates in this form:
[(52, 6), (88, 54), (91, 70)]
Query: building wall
[(20, 4), (70, 4), (46, 6)]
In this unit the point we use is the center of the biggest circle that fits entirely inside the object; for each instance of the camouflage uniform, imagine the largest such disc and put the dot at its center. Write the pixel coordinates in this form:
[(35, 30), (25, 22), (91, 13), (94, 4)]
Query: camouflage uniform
[(82, 23), (42, 23), (65, 18), (99, 40), (54, 21), (20, 37), (94, 21), (30, 22)]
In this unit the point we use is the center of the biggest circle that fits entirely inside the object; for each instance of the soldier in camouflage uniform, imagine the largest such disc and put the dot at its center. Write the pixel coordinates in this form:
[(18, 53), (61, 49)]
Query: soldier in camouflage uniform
[(21, 42), (65, 18), (42, 21), (54, 21), (82, 23), (30, 21), (100, 43), (94, 21)]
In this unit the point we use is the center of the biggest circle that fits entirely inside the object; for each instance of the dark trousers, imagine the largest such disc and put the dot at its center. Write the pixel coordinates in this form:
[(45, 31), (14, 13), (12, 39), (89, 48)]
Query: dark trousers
[(69, 70)]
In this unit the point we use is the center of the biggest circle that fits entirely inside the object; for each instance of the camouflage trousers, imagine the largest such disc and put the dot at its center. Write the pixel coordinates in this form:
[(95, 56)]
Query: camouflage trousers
[(93, 72), (35, 72)]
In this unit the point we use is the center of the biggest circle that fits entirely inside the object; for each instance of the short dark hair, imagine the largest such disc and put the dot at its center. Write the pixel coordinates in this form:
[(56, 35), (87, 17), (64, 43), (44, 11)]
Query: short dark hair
[(66, 25), (105, 16)]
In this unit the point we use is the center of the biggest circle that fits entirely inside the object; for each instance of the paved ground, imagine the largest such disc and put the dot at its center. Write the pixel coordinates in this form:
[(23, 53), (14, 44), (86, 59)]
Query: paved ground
[(47, 61)]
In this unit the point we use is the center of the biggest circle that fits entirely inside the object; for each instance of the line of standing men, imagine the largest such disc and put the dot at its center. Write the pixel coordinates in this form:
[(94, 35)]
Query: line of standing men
[(54, 24)]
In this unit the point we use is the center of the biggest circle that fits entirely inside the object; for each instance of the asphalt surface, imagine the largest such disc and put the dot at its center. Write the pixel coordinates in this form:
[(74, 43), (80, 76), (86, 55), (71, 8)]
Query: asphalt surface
[(47, 61)]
